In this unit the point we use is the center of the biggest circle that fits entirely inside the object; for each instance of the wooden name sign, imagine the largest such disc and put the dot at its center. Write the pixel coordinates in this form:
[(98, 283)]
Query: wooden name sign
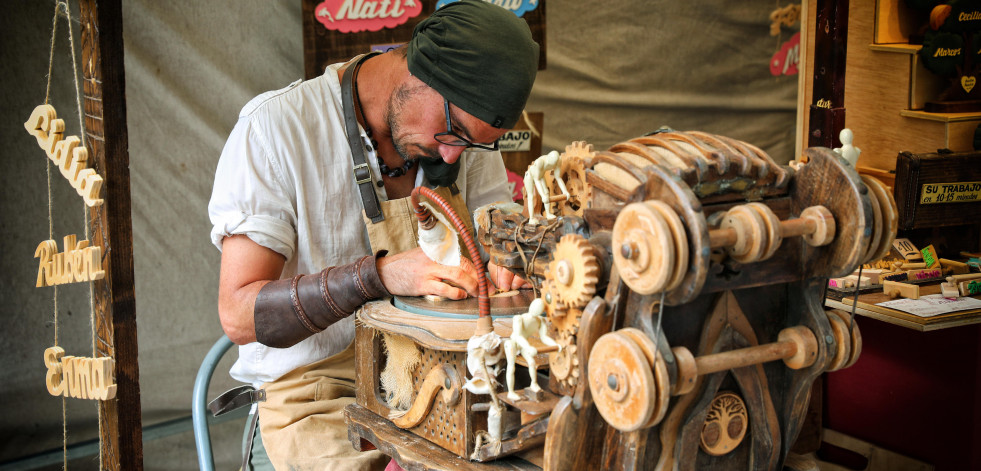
[(81, 378), (66, 153), (79, 262)]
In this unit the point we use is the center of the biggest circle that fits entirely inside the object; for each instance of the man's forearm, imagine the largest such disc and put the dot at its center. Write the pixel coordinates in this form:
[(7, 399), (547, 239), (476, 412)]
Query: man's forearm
[(288, 311)]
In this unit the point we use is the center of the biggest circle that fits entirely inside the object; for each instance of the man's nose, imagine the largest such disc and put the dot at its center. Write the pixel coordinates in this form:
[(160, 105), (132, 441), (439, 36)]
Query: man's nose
[(450, 154)]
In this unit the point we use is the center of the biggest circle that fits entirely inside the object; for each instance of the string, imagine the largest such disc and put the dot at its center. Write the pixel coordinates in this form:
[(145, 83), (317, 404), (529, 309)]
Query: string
[(54, 30)]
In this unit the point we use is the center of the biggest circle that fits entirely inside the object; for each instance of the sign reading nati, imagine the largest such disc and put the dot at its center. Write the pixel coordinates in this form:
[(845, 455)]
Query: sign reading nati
[(954, 192), (515, 141), (352, 16)]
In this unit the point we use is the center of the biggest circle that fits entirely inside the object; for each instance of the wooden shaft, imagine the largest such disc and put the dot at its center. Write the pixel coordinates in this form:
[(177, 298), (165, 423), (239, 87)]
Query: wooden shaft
[(722, 237), (744, 357), (797, 227), (555, 198)]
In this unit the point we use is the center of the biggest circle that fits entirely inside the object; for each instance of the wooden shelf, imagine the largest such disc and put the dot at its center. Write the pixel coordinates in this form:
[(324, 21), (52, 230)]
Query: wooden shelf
[(941, 117), (897, 48)]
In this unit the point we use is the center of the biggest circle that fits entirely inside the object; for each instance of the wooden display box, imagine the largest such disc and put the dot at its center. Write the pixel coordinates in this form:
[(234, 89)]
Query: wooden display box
[(934, 190)]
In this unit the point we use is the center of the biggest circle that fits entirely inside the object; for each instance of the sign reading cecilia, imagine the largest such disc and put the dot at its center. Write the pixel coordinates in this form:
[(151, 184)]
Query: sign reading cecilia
[(352, 16), (66, 153), (955, 192), (81, 378)]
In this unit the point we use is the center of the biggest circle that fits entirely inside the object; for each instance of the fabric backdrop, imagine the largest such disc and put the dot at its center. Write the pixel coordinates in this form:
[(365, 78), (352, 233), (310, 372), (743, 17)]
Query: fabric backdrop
[(616, 70)]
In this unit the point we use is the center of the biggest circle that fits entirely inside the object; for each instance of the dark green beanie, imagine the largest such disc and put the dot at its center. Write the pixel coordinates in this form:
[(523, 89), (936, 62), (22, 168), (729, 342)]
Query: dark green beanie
[(478, 56)]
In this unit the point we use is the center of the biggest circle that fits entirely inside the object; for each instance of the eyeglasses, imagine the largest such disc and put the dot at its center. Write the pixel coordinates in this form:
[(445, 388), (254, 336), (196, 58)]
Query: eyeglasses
[(451, 138)]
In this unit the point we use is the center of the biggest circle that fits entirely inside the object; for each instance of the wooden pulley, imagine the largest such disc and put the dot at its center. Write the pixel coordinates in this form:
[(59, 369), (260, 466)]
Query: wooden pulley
[(749, 229), (889, 217), (650, 247), (628, 393), (662, 384), (753, 233), (796, 346), (876, 227), (847, 338)]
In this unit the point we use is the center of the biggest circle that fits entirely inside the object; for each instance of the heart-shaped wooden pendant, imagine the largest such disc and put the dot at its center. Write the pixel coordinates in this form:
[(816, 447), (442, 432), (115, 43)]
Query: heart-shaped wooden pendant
[(967, 83)]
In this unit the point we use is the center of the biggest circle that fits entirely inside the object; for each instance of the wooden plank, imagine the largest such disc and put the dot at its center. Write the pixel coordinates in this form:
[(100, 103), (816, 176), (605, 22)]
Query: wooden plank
[(121, 438), (412, 452)]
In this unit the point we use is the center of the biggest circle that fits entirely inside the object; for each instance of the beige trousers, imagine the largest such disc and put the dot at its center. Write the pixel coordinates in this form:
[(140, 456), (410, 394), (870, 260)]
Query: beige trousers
[(302, 418)]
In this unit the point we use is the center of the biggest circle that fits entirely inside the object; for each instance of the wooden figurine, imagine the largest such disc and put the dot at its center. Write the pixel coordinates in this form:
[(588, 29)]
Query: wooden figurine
[(526, 325), (848, 151), (535, 184)]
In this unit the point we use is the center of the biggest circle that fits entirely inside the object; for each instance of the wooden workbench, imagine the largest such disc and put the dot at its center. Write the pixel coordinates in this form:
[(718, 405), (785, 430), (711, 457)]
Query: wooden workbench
[(867, 307)]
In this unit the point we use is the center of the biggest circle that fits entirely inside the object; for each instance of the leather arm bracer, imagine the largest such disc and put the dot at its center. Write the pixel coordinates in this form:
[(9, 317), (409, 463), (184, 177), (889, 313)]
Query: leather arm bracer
[(290, 310)]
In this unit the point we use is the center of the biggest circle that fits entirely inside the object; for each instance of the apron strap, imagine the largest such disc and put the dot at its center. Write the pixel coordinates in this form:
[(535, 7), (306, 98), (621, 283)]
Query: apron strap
[(362, 176)]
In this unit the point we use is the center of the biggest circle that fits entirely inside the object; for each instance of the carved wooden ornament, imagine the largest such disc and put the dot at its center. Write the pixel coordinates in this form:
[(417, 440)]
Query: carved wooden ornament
[(67, 154), (82, 378), (79, 262), (725, 425)]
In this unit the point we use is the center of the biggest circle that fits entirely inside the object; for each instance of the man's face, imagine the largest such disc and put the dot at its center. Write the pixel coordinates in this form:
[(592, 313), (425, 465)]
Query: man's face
[(416, 113)]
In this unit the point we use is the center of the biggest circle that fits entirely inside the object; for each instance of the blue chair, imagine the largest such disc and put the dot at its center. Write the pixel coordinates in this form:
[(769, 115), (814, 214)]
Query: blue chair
[(199, 414)]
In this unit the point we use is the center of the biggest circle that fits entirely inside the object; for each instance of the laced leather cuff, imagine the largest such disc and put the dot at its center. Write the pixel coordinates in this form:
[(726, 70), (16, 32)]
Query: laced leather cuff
[(288, 311)]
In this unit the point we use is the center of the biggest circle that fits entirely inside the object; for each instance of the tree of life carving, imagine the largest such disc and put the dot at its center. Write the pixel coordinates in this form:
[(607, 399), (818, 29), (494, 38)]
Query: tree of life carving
[(725, 425)]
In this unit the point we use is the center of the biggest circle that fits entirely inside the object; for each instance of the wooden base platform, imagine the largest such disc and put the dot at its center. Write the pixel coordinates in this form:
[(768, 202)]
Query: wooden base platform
[(411, 452)]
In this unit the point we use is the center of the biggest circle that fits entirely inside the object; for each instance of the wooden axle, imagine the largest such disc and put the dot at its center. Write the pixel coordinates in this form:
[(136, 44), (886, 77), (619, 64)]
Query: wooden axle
[(752, 232), (651, 245), (630, 383), (796, 346)]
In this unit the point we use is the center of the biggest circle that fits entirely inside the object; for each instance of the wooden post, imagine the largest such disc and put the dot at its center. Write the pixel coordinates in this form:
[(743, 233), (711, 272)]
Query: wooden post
[(121, 437), (827, 112)]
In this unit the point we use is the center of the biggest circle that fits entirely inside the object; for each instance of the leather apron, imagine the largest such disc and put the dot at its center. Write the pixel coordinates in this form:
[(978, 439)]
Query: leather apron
[(302, 419)]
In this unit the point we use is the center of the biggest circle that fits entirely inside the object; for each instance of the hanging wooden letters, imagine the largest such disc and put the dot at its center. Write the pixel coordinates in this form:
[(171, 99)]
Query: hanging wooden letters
[(66, 153), (81, 378), (79, 262)]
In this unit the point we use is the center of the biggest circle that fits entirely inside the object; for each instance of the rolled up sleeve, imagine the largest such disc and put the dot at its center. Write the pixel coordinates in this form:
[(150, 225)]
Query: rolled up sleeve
[(252, 194)]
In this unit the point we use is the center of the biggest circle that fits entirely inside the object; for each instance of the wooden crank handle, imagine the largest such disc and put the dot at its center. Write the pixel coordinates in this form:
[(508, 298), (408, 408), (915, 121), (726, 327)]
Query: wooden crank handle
[(796, 346)]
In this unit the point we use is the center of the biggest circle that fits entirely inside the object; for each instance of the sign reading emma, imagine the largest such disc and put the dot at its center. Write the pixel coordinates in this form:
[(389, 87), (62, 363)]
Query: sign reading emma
[(352, 16), (519, 7)]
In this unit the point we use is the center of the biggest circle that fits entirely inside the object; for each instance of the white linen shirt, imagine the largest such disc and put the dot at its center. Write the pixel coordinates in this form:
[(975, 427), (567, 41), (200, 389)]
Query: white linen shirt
[(285, 180)]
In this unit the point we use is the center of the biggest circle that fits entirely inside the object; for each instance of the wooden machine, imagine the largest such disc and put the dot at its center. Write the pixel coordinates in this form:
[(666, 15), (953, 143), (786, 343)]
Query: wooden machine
[(682, 279)]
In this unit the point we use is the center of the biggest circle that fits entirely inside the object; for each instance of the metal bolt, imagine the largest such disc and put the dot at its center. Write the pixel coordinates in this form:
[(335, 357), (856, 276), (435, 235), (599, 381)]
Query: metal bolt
[(627, 250), (446, 383), (611, 381), (829, 339), (548, 298)]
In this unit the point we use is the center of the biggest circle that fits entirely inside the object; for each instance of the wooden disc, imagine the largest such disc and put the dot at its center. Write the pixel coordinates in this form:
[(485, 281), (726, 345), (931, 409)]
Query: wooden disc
[(890, 215), (660, 369), (644, 229), (687, 371), (843, 342), (824, 224), (773, 235), (621, 382), (856, 336), (750, 233), (806, 346), (876, 227), (680, 241)]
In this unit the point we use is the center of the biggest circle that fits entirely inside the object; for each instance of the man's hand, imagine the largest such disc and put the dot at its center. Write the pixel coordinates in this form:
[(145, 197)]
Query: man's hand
[(412, 273), (504, 279)]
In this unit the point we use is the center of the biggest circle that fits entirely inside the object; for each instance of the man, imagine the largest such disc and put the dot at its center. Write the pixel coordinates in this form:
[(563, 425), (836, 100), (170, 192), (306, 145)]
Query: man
[(313, 180)]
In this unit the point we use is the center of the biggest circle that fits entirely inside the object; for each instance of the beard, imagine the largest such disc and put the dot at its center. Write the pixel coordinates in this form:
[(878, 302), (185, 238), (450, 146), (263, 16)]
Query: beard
[(394, 112)]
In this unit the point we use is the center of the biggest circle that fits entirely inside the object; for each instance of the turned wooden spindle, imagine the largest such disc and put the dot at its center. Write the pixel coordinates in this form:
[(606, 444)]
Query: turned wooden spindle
[(796, 346), (630, 383), (753, 233)]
